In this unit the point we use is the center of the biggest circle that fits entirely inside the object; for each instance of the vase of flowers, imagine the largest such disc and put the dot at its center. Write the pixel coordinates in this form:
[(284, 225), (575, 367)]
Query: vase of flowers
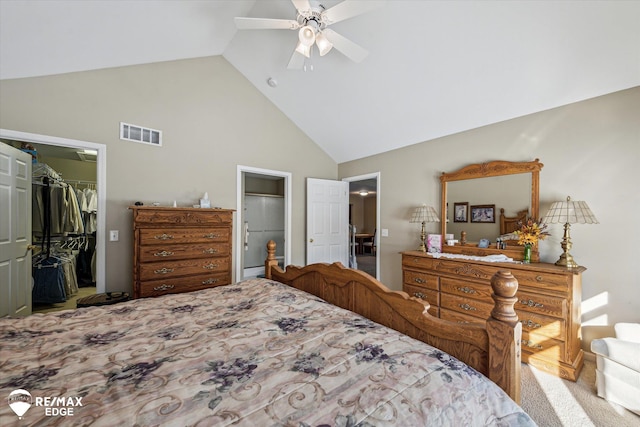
[(526, 258), (530, 232)]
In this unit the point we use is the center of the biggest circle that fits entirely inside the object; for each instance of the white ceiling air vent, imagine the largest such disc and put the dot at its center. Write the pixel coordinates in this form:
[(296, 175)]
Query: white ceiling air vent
[(140, 134), (88, 155)]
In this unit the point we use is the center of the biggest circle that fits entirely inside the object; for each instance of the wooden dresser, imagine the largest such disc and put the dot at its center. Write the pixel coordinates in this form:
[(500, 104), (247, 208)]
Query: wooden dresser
[(548, 304), (180, 249)]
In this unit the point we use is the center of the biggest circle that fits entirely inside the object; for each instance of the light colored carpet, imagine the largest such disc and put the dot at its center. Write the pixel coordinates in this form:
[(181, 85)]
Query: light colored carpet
[(70, 303), (552, 401), (367, 263)]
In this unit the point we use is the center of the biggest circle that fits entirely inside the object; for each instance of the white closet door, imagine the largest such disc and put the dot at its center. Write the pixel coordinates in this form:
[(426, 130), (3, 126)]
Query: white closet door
[(15, 232)]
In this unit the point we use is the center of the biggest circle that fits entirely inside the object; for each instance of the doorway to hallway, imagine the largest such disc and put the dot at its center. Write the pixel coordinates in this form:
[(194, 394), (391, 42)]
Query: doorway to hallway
[(364, 208)]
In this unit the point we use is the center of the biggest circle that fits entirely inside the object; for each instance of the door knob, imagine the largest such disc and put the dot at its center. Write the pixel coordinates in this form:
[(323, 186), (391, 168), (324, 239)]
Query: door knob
[(310, 240)]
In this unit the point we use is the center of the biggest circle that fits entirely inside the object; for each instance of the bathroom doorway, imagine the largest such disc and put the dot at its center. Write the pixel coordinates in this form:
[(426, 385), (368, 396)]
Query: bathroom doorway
[(264, 212)]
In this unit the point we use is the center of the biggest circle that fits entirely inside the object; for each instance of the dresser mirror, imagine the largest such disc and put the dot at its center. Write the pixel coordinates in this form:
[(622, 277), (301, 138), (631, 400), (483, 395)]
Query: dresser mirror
[(512, 186)]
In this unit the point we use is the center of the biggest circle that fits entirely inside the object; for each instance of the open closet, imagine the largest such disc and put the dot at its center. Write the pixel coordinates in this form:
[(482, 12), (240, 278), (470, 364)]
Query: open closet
[(64, 225)]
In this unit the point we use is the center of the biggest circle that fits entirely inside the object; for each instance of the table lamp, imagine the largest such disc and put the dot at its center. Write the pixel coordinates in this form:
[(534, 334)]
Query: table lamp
[(423, 214), (567, 213)]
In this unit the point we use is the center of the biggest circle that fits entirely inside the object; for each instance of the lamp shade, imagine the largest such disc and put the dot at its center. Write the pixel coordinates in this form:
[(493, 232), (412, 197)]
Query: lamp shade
[(303, 49), (570, 212), (307, 35), (324, 45), (424, 213)]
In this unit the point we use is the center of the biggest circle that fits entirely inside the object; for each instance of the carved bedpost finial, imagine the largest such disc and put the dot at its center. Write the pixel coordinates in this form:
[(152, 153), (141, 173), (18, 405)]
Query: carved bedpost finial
[(271, 250), (271, 258), (504, 286), (505, 333)]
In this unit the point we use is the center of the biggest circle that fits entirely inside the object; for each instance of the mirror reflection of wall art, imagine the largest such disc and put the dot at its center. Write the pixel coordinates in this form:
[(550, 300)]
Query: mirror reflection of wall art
[(460, 212), (483, 213)]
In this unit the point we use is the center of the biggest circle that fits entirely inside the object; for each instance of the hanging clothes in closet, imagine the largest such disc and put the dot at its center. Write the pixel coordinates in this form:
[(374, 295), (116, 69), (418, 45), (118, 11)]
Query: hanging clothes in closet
[(56, 217), (88, 203)]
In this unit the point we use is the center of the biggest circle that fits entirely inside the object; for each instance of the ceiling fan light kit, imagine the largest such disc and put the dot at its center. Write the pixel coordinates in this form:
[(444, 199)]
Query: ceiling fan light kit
[(324, 45), (304, 49), (307, 35), (311, 22)]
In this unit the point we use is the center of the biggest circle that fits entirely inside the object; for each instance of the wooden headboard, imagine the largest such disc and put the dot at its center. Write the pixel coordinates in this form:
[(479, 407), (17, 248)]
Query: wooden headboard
[(511, 224), (493, 350)]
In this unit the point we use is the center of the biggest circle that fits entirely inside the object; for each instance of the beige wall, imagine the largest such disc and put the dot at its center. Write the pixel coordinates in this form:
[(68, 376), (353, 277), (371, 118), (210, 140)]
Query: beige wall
[(212, 119), (590, 151), (363, 213), (264, 186), (370, 206), (357, 212), (72, 169)]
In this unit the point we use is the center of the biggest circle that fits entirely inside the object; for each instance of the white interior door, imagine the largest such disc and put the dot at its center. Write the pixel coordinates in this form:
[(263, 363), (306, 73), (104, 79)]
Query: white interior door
[(327, 221), (15, 232)]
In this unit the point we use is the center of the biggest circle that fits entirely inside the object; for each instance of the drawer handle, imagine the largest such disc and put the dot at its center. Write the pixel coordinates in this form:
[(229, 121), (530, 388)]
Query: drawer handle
[(210, 251), (531, 303), (463, 321), (163, 236), (209, 281), (531, 344), (163, 253), (163, 287), (530, 324), (210, 266), (164, 270), (419, 295), (539, 278), (211, 236), (466, 290), (466, 307), (419, 281)]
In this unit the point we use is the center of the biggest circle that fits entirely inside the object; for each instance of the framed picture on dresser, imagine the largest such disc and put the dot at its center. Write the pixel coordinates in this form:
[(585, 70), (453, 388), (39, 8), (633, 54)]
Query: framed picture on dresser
[(434, 243)]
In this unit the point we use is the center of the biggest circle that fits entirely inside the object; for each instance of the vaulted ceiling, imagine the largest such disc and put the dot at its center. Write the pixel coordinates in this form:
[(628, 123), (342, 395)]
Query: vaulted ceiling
[(434, 68)]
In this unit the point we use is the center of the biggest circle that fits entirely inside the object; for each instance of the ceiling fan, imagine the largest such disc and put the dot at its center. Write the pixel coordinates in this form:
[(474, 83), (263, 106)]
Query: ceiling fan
[(311, 22)]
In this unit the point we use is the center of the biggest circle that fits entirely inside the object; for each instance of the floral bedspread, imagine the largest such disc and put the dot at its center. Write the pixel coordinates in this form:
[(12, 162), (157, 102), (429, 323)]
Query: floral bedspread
[(257, 353)]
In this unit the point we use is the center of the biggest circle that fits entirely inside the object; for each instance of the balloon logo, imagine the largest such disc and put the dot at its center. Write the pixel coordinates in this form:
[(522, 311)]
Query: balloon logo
[(19, 402)]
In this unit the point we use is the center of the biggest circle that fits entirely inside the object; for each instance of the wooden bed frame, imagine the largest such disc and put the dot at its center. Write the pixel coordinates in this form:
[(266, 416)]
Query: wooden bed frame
[(493, 350), (509, 224)]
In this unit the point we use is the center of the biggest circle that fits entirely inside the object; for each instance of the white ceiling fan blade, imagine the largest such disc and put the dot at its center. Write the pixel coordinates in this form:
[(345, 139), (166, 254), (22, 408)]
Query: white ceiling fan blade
[(296, 62), (266, 24), (348, 48), (348, 9), (301, 4)]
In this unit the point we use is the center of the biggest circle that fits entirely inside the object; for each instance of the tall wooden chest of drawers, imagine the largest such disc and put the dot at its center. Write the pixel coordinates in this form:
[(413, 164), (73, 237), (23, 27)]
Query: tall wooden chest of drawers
[(548, 303), (180, 249)]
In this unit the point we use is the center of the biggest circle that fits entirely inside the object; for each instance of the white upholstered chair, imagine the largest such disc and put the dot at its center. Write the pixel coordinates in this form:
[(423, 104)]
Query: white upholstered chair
[(618, 366)]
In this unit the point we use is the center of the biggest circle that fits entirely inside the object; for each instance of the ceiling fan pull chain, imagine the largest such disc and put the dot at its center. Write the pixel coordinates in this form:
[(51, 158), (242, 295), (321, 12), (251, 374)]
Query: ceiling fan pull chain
[(308, 65)]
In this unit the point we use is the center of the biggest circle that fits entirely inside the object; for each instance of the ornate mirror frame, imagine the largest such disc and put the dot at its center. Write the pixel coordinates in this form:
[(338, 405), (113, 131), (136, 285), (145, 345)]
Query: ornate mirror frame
[(493, 168)]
